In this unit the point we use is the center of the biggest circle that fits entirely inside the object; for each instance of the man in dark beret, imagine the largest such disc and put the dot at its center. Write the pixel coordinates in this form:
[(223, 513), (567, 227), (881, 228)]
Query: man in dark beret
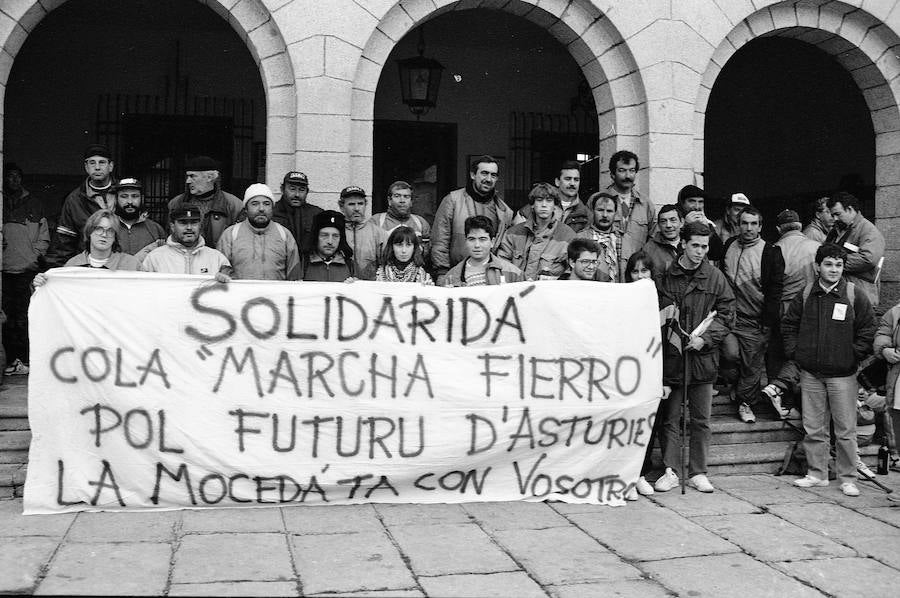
[(218, 209)]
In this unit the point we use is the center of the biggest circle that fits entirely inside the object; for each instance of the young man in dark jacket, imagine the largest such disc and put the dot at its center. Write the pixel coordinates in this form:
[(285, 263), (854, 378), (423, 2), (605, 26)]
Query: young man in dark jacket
[(755, 270), (698, 291), (828, 330)]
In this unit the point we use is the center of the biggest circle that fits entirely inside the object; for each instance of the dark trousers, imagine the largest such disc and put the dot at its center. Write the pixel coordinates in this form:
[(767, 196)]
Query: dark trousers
[(700, 406), (654, 434), (16, 299), (747, 364)]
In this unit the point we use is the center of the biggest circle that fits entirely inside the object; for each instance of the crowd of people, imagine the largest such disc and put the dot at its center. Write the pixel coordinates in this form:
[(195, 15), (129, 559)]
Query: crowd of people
[(787, 322)]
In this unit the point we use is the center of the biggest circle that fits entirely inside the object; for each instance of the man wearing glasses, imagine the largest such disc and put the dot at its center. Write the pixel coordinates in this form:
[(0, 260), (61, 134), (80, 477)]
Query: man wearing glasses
[(96, 193), (583, 257), (399, 213)]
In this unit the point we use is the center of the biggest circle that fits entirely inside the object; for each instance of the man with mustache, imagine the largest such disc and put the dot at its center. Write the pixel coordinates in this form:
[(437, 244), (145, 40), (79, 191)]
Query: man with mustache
[(399, 213), (604, 207), (259, 248), (137, 230), (635, 214), (185, 251), (478, 198), (365, 237)]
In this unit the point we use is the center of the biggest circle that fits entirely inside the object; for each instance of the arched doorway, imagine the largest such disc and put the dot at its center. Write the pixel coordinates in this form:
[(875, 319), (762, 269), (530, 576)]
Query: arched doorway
[(155, 80), (786, 124), (509, 89), (596, 49)]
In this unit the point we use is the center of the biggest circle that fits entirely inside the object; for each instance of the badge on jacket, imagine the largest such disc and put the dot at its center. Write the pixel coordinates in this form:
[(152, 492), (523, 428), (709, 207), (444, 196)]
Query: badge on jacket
[(840, 312)]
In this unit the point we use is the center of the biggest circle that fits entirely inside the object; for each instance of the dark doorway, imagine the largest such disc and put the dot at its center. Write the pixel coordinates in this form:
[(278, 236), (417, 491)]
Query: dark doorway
[(422, 154), (157, 147), (786, 124)]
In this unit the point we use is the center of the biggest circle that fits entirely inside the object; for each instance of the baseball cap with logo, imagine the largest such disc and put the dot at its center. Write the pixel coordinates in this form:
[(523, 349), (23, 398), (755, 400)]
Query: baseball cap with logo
[(296, 177), (352, 191), (185, 211), (129, 183)]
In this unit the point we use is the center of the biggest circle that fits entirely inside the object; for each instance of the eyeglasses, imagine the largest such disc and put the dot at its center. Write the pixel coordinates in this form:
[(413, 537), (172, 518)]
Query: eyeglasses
[(587, 263), (104, 231)]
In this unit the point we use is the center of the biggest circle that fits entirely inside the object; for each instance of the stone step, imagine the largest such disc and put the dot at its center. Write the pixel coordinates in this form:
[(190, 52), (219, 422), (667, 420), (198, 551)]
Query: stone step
[(15, 440), (729, 430)]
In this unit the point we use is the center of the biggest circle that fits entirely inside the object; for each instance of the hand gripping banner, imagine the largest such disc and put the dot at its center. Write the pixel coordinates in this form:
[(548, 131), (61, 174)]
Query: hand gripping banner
[(162, 392)]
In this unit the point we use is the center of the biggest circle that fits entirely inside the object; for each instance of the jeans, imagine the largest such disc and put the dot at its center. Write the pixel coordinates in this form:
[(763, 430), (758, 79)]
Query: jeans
[(700, 406), (752, 342), (825, 400), (16, 299)]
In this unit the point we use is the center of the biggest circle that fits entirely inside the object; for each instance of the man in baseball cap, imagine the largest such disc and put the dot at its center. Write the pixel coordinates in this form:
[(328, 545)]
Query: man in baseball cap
[(137, 232), (727, 226), (365, 237), (185, 251), (293, 212), (258, 248)]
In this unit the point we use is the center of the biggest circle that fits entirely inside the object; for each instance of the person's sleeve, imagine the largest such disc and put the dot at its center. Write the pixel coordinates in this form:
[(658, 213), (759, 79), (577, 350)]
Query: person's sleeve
[(651, 216), (871, 249), (224, 244), (884, 334), (66, 244), (505, 250), (775, 290), (293, 259), (790, 326), (141, 255), (440, 237), (721, 324), (863, 325), (148, 263), (42, 243)]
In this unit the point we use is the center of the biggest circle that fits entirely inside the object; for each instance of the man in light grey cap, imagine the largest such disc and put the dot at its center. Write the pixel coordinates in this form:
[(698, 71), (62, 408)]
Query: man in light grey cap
[(259, 248)]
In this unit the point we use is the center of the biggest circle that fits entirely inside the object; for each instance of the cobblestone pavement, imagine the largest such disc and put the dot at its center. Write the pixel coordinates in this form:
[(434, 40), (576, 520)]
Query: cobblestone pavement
[(755, 536)]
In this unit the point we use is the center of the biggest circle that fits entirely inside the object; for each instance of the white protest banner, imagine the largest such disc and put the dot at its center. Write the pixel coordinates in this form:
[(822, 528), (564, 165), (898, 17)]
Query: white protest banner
[(158, 392)]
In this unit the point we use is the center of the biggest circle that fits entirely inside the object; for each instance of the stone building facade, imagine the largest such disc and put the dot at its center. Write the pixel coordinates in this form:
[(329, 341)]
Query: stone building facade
[(650, 64)]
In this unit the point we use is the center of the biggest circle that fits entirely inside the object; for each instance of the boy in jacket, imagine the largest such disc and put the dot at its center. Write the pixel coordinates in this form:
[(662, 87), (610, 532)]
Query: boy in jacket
[(697, 290), (828, 330)]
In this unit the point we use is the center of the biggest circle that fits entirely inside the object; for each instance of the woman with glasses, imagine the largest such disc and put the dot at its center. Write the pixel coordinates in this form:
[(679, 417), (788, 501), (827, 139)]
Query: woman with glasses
[(101, 239)]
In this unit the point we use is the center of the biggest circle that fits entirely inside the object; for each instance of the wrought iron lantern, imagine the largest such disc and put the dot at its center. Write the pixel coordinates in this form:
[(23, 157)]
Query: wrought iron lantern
[(420, 78)]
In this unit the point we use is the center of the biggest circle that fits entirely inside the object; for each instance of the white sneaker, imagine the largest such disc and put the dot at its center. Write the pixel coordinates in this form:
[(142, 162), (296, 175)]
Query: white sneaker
[(701, 483), (16, 368), (643, 487), (773, 394), (666, 481), (849, 489), (809, 481), (632, 494), (746, 414), (863, 472)]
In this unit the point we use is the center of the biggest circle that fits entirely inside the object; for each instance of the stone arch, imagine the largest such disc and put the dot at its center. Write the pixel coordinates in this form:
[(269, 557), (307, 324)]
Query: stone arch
[(593, 41), (859, 41), (252, 22)]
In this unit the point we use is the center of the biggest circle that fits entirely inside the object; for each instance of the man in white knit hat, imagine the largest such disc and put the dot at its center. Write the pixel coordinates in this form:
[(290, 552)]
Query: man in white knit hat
[(258, 248)]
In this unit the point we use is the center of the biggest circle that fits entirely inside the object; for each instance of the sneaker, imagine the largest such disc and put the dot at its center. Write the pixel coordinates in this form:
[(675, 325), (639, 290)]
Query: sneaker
[(16, 368), (746, 414), (809, 481), (666, 481), (701, 483), (632, 494), (849, 489), (863, 472), (772, 394), (643, 487)]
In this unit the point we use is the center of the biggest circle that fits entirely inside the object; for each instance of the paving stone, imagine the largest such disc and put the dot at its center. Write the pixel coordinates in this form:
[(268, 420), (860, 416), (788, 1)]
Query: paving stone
[(846, 577), (331, 520), (563, 555), (514, 515), (565, 508), (374, 594), (755, 534), (121, 568), (887, 514), (236, 588), (265, 519), (692, 505), (488, 585), (833, 521), (422, 514), (884, 548), (726, 575), (445, 549), (869, 496), (763, 489), (13, 523), (224, 557), (21, 561), (350, 562), (631, 588), (147, 526), (667, 535)]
